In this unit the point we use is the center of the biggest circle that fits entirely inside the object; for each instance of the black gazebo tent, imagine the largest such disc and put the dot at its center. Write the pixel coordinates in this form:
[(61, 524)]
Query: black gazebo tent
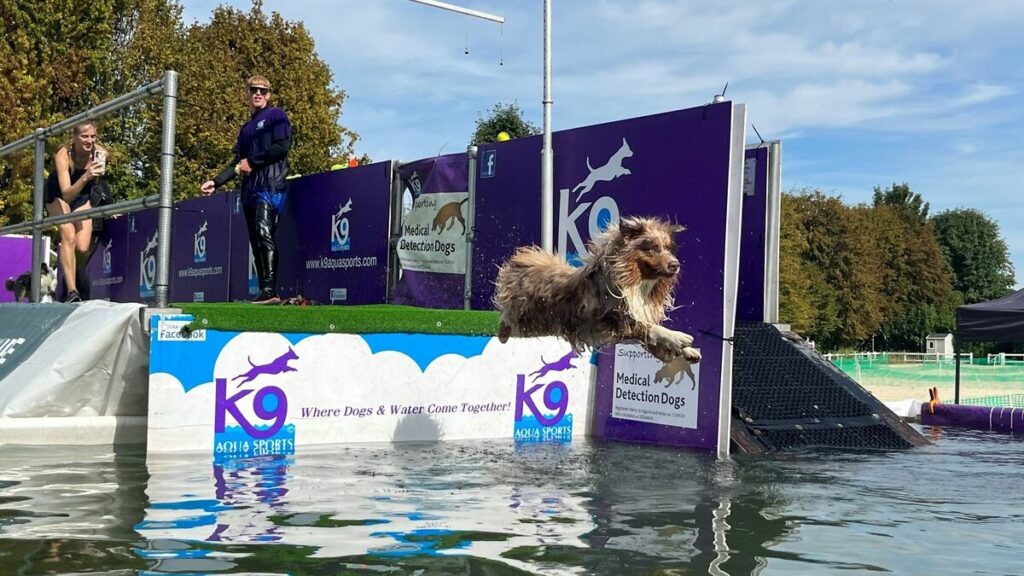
[(999, 320)]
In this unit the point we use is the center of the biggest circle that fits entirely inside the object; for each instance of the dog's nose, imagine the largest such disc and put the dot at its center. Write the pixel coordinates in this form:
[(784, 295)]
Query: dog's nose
[(673, 266)]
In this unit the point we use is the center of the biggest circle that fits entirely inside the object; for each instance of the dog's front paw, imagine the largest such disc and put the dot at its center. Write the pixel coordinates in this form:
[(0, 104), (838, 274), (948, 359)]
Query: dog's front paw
[(691, 355)]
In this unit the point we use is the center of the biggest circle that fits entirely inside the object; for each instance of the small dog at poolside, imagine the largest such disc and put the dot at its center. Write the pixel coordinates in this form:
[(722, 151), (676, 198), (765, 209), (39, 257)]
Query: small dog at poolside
[(22, 285), (621, 293)]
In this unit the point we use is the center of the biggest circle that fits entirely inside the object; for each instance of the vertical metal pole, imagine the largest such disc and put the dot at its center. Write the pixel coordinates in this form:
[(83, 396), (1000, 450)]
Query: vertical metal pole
[(956, 378), (395, 233), (467, 295), (163, 250), (547, 195), (37, 211), (774, 223)]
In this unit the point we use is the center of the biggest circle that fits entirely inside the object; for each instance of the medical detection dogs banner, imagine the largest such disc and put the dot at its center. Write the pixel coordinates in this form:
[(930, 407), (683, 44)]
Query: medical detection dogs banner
[(685, 166), (255, 394), (432, 248)]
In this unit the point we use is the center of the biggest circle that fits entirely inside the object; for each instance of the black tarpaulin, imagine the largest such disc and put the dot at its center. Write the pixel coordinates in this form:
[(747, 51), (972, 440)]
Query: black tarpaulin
[(999, 320)]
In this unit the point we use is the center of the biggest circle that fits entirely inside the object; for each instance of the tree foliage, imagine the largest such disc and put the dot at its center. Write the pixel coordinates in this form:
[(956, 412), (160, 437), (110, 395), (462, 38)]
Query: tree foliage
[(60, 58), (851, 274), (976, 253), (502, 118)]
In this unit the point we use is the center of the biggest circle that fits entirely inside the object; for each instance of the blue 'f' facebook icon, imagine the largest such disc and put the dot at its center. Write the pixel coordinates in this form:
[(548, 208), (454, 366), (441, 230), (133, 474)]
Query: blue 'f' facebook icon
[(488, 163)]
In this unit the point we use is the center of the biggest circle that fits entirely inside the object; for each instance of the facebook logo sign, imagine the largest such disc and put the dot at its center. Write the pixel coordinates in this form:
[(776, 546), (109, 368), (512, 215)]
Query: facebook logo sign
[(488, 162)]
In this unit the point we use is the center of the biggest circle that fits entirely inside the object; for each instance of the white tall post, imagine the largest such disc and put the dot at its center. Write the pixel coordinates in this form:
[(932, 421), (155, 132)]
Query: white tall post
[(547, 194)]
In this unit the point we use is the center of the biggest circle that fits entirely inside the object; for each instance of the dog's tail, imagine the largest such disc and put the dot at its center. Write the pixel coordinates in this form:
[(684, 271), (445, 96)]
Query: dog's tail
[(9, 283), (464, 201)]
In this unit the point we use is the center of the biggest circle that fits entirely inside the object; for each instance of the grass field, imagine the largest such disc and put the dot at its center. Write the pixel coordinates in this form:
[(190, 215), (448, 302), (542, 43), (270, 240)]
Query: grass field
[(998, 385), (244, 317)]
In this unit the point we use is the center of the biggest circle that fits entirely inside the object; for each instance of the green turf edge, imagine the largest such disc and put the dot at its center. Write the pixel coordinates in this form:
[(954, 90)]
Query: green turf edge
[(374, 319)]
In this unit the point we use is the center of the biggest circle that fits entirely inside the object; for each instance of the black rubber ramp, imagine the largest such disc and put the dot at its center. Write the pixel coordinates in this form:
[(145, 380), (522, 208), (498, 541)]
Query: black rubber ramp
[(786, 396)]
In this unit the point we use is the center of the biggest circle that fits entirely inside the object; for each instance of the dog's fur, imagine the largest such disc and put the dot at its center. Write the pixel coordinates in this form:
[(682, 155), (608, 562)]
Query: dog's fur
[(621, 293), (22, 285)]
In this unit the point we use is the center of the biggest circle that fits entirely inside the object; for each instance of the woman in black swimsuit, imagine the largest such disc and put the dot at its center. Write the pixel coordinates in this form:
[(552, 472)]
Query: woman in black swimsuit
[(79, 167)]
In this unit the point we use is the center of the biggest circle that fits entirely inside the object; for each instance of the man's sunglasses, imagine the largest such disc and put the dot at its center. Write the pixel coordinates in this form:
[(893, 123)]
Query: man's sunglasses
[(259, 90)]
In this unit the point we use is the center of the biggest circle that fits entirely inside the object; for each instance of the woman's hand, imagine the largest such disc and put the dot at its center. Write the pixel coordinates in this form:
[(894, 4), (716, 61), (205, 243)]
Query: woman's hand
[(94, 169)]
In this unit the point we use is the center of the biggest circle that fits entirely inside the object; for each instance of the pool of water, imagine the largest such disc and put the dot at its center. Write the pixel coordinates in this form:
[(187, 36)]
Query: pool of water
[(494, 508)]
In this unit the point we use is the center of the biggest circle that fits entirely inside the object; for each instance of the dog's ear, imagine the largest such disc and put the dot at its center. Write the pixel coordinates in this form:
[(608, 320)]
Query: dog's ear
[(630, 228)]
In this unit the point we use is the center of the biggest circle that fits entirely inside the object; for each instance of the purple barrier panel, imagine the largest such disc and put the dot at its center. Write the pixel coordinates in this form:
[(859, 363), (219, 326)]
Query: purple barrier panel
[(750, 297), (507, 208), (109, 265), (200, 250), (140, 272), (242, 283), (996, 419), (340, 222), (432, 250), (15, 260), (676, 165)]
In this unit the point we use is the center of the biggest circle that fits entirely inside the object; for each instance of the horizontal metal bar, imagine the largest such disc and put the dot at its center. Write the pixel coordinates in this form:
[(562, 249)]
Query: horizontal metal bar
[(461, 10), (93, 113), (124, 207)]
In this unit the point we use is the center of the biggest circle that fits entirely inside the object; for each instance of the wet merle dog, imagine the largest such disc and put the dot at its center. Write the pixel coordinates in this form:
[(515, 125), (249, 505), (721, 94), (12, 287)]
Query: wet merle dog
[(621, 293)]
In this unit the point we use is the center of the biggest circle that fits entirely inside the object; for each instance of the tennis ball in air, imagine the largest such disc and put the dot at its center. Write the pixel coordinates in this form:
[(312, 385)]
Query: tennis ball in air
[(503, 136)]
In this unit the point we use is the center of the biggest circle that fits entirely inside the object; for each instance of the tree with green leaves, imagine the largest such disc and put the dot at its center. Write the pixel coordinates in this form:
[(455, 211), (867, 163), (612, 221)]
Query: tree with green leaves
[(909, 204), (502, 118), (976, 253), (57, 60)]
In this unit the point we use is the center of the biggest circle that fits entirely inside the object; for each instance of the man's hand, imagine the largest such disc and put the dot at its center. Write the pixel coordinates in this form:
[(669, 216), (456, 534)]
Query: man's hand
[(243, 167), (208, 187)]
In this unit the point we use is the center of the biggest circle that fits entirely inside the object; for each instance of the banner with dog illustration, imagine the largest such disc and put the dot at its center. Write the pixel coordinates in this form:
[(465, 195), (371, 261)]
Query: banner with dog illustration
[(256, 394), (432, 248), (683, 166), (340, 222), (140, 273), (200, 254), (108, 267)]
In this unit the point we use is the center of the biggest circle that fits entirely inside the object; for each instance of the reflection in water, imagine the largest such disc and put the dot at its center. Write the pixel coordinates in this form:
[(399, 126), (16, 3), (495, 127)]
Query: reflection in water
[(501, 508)]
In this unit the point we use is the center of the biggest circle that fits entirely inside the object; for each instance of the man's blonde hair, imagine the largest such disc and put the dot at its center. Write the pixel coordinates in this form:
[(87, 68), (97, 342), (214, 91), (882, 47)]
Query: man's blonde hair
[(257, 80)]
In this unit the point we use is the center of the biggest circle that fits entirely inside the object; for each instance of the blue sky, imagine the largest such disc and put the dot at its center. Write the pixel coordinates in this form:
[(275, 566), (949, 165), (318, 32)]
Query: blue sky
[(862, 93)]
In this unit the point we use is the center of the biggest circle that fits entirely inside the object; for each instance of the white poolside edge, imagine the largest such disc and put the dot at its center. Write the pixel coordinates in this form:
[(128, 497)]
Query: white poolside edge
[(907, 408), (74, 430)]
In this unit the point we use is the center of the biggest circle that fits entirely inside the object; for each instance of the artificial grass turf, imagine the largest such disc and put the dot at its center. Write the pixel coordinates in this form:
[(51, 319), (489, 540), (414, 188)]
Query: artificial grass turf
[(378, 318)]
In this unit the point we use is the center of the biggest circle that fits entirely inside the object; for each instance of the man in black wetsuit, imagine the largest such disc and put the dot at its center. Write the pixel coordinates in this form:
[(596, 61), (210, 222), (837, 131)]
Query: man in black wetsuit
[(261, 159)]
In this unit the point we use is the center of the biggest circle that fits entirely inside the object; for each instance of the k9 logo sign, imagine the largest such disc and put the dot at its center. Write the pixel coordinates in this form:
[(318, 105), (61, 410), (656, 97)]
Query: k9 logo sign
[(251, 422), (340, 227), (542, 408), (199, 244), (147, 268), (108, 260), (257, 424)]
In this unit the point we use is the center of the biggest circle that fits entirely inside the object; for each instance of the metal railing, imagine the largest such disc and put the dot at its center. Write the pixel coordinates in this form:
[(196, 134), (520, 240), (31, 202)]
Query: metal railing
[(168, 85)]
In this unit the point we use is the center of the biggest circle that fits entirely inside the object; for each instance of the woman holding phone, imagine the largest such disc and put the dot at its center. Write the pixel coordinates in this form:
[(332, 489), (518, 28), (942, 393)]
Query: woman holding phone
[(78, 176)]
